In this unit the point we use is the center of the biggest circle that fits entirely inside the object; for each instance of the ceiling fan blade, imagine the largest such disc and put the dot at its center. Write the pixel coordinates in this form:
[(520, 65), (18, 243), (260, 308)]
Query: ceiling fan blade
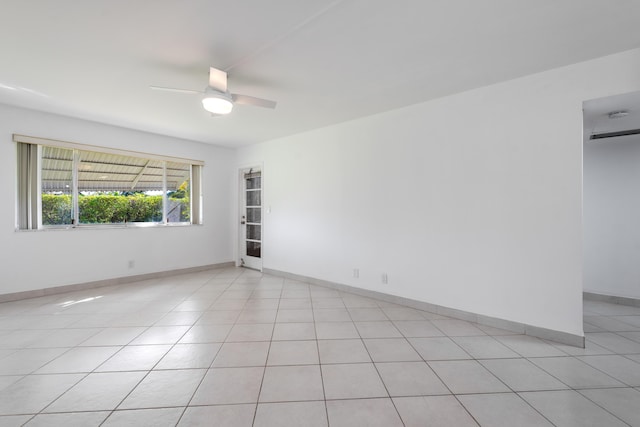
[(218, 79), (250, 100), (174, 89)]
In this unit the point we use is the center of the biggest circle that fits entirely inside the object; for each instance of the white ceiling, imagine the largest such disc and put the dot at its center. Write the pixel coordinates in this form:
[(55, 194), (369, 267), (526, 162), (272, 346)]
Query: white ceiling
[(323, 61)]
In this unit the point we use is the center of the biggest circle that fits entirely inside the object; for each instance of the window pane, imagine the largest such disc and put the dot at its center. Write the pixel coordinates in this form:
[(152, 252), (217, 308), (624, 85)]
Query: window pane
[(178, 192), (115, 189), (57, 186)]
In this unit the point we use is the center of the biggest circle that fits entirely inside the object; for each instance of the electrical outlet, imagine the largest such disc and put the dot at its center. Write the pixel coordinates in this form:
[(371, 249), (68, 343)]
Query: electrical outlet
[(385, 278), (356, 273), (132, 263)]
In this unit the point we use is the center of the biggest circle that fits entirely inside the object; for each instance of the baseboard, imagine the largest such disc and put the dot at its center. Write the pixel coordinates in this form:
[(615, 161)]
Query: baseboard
[(516, 327), (108, 282), (591, 296)]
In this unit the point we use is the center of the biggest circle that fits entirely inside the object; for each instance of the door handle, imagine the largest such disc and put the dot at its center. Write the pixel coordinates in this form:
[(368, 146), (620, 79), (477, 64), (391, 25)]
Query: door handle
[(242, 221)]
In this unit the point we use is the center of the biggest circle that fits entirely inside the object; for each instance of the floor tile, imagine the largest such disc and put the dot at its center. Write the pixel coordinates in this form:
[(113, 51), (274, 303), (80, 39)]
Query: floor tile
[(189, 356), (363, 413), (633, 336), (250, 332), (410, 379), (295, 303), (367, 314), (219, 416), (7, 380), (502, 410), (575, 373), (161, 335), (134, 358), (291, 383), (381, 329), (241, 354), (219, 317), (608, 323), (467, 376), (336, 330), (263, 304), (484, 347), (222, 386), (522, 375), (77, 419), (293, 353), (206, 334), (417, 328), (621, 402), (164, 388), (619, 367), (21, 339), (527, 346), (164, 417), (569, 408), (291, 414), (343, 351), (317, 303), (351, 381), (440, 411), (257, 316), (34, 392), (114, 336), (294, 331), (630, 320), (457, 328), (438, 348), (79, 359), (614, 342), (179, 318), (14, 420), (28, 360), (294, 315), (359, 302), (64, 338), (402, 313), (331, 315), (391, 350), (97, 392)]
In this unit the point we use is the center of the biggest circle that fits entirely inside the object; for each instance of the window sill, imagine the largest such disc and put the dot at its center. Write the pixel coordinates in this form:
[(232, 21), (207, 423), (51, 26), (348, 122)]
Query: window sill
[(111, 226)]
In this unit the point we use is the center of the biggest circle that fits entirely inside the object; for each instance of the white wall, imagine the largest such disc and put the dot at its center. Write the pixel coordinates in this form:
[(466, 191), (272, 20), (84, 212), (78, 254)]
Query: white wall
[(471, 201), (612, 217), (41, 259)]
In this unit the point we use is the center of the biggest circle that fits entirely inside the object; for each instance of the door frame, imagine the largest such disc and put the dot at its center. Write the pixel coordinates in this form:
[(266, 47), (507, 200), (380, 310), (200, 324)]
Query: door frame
[(242, 169)]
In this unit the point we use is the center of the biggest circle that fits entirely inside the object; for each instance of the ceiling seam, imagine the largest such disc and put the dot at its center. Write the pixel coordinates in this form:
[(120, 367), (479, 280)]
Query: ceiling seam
[(283, 36)]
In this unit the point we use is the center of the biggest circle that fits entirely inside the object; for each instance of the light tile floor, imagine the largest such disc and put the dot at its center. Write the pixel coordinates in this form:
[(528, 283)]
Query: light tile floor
[(232, 347)]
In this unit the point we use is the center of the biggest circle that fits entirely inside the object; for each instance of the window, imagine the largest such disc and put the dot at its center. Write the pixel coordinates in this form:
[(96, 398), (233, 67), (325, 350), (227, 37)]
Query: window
[(67, 185)]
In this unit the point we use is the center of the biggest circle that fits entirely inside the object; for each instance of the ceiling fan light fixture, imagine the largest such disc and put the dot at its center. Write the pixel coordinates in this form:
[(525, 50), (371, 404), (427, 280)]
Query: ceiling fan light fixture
[(217, 102)]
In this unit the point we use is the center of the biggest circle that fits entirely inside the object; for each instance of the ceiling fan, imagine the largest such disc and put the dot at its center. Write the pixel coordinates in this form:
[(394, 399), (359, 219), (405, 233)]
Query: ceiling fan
[(216, 97)]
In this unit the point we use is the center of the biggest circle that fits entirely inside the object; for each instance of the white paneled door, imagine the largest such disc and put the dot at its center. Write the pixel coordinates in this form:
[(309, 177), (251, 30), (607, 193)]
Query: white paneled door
[(251, 219)]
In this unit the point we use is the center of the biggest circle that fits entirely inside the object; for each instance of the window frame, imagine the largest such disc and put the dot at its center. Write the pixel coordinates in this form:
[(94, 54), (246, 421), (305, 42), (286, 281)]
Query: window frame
[(29, 185)]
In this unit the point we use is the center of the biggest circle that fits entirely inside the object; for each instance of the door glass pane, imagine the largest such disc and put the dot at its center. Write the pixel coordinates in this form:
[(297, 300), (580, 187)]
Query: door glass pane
[(57, 186), (254, 215), (253, 198), (253, 232), (253, 183), (253, 249)]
